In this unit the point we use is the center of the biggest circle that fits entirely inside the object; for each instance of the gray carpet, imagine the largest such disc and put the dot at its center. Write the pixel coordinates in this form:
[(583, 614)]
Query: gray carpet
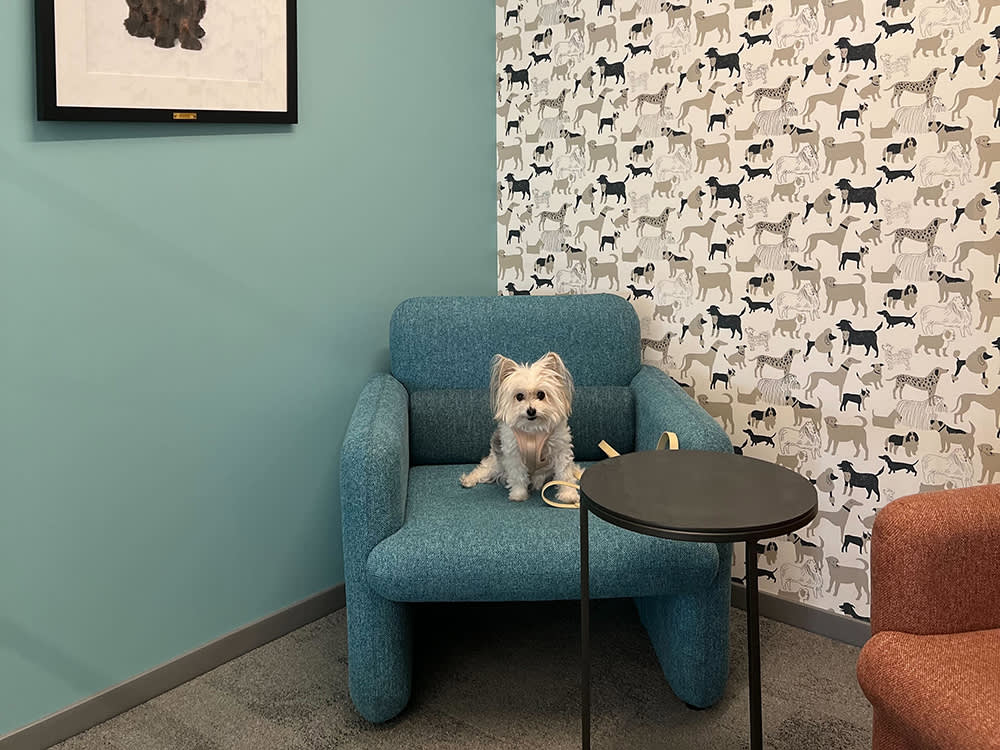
[(502, 676)]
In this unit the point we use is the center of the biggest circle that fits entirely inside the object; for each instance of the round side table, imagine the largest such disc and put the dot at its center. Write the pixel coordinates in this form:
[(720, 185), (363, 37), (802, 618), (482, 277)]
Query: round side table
[(695, 496)]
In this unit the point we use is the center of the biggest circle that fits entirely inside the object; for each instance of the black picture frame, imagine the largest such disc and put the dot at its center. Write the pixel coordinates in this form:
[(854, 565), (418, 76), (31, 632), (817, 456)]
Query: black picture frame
[(50, 110)]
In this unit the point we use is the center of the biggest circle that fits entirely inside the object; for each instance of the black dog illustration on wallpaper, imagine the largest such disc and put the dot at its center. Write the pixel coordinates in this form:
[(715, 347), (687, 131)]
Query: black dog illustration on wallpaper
[(864, 53), (731, 323), (848, 609), (167, 21)]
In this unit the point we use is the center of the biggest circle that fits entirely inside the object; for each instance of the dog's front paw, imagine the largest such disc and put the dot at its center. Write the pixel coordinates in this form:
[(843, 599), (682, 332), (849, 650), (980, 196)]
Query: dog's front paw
[(568, 495), (518, 494), (467, 480)]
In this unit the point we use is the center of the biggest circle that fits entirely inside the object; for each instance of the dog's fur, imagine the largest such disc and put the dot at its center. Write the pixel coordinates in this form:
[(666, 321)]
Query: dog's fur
[(536, 401)]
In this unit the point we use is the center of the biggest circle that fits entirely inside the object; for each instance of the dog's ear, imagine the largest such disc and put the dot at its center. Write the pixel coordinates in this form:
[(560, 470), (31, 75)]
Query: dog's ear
[(500, 370), (553, 362)]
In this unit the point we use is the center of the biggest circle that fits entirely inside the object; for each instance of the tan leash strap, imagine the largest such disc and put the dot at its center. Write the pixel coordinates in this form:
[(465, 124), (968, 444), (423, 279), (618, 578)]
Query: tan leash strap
[(608, 450), (667, 441)]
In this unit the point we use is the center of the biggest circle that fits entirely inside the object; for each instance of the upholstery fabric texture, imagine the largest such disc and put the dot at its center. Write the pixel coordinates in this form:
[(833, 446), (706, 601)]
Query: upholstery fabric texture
[(448, 342), (661, 404), (940, 690), (932, 667), (474, 544), (929, 557), (690, 636), (374, 470), (887, 735), (413, 534)]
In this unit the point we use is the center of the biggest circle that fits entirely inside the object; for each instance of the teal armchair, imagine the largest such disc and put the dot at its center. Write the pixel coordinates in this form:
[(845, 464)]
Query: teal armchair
[(412, 533)]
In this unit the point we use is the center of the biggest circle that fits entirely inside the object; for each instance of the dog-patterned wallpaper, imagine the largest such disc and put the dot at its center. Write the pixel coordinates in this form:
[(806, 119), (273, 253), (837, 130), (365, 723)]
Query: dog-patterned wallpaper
[(798, 197)]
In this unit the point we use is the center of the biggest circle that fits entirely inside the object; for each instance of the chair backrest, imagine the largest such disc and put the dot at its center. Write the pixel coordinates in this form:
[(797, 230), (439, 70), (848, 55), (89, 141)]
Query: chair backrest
[(441, 348)]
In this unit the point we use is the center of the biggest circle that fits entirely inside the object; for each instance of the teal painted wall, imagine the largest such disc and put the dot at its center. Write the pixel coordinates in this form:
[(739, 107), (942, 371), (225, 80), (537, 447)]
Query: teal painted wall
[(186, 318)]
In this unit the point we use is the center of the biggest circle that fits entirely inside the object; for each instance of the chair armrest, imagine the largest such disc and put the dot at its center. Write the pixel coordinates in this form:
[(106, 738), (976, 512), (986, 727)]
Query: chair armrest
[(935, 559), (661, 404), (374, 467)]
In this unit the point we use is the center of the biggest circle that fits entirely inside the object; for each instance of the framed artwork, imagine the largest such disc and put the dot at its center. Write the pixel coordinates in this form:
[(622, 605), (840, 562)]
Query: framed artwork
[(167, 60)]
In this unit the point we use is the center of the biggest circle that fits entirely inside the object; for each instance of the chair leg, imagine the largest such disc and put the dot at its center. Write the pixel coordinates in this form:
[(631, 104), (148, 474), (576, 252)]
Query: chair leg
[(690, 634), (379, 654)]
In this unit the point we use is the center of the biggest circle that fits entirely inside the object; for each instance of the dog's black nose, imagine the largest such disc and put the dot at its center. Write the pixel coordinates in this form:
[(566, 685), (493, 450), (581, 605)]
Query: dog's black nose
[(531, 411)]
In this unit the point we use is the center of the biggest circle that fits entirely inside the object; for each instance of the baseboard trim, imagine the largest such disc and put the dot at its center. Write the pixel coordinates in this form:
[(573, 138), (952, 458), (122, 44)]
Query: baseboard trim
[(92, 711), (814, 620)]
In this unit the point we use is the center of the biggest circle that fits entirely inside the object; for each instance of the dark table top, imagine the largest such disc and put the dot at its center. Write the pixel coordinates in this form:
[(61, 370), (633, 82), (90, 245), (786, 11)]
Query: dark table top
[(699, 495)]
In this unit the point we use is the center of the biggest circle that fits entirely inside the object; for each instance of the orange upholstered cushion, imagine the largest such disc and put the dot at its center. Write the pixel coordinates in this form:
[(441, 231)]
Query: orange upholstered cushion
[(942, 691), (935, 559)]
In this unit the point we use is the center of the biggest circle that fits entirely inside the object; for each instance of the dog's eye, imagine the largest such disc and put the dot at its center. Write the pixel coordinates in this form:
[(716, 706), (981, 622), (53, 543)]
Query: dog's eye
[(519, 397), (541, 396)]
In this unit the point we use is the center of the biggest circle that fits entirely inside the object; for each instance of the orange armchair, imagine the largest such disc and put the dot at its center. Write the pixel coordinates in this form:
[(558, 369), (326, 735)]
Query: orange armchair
[(931, 669)]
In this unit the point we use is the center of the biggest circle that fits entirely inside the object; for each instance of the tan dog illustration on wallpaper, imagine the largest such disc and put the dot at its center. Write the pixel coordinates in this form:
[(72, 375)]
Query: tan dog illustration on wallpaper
[(857, 143)]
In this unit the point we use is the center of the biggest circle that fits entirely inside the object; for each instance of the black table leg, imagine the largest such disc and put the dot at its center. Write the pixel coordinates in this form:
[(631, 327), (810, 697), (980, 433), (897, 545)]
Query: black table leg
[(585, 623), (753, 647)]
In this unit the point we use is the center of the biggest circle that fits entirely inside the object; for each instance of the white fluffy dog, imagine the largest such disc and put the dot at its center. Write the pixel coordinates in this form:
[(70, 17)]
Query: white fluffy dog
[(532, 442)]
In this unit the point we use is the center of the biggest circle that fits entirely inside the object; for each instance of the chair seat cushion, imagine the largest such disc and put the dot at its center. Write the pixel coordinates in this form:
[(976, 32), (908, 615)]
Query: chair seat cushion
[(940, 690), (459, 544)]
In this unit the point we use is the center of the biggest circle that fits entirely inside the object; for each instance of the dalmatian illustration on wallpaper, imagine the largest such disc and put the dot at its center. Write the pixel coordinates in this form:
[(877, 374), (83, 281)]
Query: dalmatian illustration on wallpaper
[(799, 198)]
